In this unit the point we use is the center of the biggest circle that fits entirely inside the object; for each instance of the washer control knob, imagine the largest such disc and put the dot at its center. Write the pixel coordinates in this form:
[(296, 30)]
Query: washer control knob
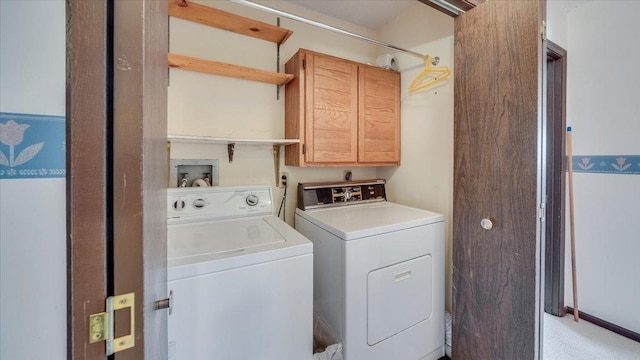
[(199, 203), (347, 195), (486, 224), (252, 200), (179, 205)]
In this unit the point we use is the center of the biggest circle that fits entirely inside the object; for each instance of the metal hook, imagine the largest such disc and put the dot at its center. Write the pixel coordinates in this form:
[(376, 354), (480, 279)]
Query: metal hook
[(435, 61)]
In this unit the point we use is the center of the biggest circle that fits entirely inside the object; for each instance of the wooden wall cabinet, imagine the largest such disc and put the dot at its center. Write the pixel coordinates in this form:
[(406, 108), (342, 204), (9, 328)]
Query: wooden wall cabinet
[(344, 113)]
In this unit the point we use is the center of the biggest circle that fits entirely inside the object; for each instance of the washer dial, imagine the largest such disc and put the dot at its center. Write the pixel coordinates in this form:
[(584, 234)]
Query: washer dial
[(252, 200), (179, 205)]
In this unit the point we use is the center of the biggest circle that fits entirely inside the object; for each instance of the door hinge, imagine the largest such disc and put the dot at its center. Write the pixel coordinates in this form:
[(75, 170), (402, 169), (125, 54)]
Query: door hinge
[(304, 63), (102, 327), (541, 212), (304, 149), (543, 30)]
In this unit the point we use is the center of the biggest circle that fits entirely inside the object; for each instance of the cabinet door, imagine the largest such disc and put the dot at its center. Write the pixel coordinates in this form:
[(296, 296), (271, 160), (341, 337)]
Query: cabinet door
[(332, 110), (379, 116)]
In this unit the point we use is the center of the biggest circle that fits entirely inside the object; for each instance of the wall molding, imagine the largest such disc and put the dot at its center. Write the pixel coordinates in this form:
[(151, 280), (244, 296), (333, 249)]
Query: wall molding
[(607, 164), (32, 146), (607, 325)]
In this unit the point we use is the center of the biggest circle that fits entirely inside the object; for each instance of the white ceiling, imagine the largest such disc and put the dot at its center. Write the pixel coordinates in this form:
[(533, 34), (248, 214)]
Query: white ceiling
[(371, 14)]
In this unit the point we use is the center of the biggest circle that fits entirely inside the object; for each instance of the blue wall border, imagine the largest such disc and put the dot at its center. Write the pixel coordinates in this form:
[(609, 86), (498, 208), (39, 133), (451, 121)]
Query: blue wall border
[(41, 151), (32, 146), (607, 164)]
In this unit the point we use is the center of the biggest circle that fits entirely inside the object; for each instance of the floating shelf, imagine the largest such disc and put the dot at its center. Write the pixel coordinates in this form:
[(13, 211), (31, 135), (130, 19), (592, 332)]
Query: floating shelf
[(219, 68), (227, 21), (231, 145), (225, 140)]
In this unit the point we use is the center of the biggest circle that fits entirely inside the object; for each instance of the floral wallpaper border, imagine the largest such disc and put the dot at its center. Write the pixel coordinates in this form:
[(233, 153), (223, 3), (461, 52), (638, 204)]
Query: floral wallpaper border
[(32, 146), (607, 164)]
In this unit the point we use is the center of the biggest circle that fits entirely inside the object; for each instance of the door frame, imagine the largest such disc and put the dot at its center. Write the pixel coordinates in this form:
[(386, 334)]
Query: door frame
[(556, 63), (87, 116), (116, 170), (140, 168)]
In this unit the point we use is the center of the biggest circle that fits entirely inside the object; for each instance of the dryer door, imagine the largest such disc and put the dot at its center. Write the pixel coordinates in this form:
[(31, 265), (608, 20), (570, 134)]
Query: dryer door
[(398, 297)]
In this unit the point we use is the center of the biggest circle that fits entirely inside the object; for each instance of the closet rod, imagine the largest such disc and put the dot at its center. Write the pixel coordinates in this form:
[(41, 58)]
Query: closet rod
[(327, 27), (444, 4)]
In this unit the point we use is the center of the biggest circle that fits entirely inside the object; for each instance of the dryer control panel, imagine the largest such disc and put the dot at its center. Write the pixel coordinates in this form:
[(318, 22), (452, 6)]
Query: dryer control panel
[(317, 195)]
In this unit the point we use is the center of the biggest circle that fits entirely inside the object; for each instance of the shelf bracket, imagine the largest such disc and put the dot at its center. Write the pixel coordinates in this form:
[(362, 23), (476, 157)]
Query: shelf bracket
[(276, 162), (230, 150)]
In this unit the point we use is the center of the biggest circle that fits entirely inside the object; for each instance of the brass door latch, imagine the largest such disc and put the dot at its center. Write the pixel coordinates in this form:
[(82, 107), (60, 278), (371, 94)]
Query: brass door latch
[(101, 325)]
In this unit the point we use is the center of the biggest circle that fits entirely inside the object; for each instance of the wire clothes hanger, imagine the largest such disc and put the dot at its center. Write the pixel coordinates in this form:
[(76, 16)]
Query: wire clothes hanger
[(430, 76)]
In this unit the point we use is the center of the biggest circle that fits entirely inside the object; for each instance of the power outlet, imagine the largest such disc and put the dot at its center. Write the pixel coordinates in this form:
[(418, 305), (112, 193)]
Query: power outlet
[(284, 179)]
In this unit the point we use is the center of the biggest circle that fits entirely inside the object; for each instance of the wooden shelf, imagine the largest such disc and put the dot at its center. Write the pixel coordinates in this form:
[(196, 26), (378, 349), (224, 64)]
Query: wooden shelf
[(227, 21), (241, 25), (226, 141), (231, 146), (219, 68)]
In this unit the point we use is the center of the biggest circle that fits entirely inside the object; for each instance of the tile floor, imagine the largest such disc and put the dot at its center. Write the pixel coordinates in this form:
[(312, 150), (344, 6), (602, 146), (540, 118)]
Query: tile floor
[(564, 339)]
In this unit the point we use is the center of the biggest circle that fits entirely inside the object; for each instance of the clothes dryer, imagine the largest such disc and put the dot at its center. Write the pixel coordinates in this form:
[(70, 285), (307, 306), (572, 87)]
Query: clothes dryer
[(378, 270)]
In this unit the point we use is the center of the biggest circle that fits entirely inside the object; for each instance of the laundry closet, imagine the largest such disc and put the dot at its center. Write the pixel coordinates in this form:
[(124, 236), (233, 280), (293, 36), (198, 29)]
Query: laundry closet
[(250, 123), (231, 108)]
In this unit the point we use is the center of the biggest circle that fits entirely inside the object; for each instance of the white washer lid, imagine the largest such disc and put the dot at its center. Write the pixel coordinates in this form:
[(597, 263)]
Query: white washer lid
[(219, 237), (357, 221), (208, 246)]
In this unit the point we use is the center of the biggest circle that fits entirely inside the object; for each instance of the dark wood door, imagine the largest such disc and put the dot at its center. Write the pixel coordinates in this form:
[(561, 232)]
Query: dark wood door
[(498, 89), (117, 170)]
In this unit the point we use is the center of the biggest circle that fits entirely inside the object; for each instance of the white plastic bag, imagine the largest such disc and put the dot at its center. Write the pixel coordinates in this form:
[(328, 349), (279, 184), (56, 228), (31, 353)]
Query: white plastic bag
[(325, 344), (332, 352)]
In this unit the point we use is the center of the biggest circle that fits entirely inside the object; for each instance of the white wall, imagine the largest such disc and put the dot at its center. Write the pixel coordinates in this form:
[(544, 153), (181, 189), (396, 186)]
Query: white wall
[(425, 178), (603, 88), (557, 22), (32, 211), (218, 106), (202, 104)]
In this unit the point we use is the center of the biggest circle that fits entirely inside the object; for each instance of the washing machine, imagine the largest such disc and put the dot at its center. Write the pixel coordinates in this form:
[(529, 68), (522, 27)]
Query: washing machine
[(240, 278), (378, 270)]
